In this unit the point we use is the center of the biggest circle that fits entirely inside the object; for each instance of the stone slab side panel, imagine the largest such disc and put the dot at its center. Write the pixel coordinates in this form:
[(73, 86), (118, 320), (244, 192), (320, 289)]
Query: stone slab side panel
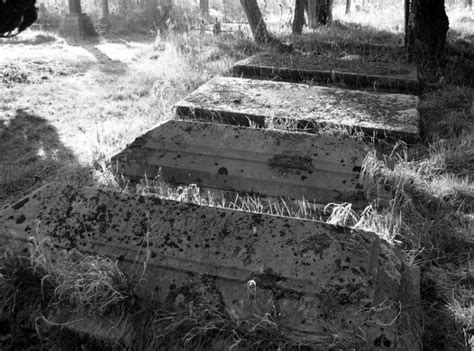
[(356, 73), (269, 162), (312, 277), (246, 101)]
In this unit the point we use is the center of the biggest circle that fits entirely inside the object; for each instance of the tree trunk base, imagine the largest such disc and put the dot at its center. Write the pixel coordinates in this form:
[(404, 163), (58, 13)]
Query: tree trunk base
[(427, 37)]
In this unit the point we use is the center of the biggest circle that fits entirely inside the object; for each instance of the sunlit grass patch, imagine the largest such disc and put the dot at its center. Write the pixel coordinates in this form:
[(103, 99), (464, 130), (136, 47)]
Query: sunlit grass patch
[(38, 71), (383, 17), (101, 106), (461, 21)]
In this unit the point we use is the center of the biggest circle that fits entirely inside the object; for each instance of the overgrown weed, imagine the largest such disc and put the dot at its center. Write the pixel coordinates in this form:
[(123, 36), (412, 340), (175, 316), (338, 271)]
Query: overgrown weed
[(423, 195), (44, 279), (423, 199), (99, 111), (433, 188), (300, 208)]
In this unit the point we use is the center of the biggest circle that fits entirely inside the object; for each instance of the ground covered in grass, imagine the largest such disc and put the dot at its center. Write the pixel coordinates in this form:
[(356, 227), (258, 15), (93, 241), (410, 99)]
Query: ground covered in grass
[(93, 99), (66, 109)]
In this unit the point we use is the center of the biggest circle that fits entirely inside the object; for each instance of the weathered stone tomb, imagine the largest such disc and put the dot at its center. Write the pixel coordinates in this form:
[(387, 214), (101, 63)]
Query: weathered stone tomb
[(351, 71), (313, 278), (246, 101), (274, 163)]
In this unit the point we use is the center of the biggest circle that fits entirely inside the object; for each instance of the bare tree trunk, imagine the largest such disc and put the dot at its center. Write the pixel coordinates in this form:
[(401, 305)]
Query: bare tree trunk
[(329, 4), (298, 21), (75, 6), (348, 7), (259, 29), (105, 9), (123, 7), (407, 19), (256, 22), (313, 13), (105, 19), (427, 35), (163, 15), (322, 12), (468, 4), (150, 13), (204, 6)]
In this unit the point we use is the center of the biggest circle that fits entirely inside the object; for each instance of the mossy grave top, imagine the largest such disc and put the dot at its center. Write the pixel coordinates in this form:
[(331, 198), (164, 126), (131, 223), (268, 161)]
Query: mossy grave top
[(350, 70), (259, 161), (246, 101), (314, 279)]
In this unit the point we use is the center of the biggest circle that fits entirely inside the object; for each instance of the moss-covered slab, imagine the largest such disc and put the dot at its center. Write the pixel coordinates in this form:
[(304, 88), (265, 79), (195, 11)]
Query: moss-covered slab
[(322, 284), (269, 162), (246, 101), (350, 71)]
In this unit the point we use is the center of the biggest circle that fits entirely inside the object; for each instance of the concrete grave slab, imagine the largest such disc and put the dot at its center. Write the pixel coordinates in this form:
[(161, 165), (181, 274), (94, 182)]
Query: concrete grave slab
[(246, 101), (269, 162), (337, 48), (313, 278), (350, 70)]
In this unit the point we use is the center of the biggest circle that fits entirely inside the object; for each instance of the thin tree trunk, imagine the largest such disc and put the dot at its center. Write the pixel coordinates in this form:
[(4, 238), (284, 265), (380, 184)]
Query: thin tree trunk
[(204, 6), (468, 4), (105, 9), (322, 12), (329, 4), (151, 11), (256, 22), (407, 19), (313, 13), (298, 21), (105, 19), (348, 7), (163, 15), (75, 6), (123, 7), (259, 29)]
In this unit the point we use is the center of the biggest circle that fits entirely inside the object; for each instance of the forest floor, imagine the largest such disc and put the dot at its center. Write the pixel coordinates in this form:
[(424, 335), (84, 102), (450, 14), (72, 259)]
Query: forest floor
[(66, 108)]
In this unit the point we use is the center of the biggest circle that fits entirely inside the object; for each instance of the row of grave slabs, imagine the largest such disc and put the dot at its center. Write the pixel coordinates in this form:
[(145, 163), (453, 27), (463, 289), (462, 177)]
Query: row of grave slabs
[(311, 277)]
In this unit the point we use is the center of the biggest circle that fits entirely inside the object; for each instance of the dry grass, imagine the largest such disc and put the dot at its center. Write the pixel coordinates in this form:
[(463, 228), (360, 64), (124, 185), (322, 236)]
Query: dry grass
[(301, 208), (66, 109), (46, 279), (423, 199), (93, 101)]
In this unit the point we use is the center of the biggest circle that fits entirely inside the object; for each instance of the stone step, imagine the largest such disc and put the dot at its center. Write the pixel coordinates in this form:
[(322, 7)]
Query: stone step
[(351, 71), (273, 163), (246, 101), (317, 281)]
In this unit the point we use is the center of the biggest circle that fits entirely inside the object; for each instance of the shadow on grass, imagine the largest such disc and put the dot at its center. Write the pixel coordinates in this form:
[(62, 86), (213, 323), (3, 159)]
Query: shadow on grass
[(441, 236), (459, 59), (106, 64), (32, 153), (442, 328), (129, 38), (339, 39)]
